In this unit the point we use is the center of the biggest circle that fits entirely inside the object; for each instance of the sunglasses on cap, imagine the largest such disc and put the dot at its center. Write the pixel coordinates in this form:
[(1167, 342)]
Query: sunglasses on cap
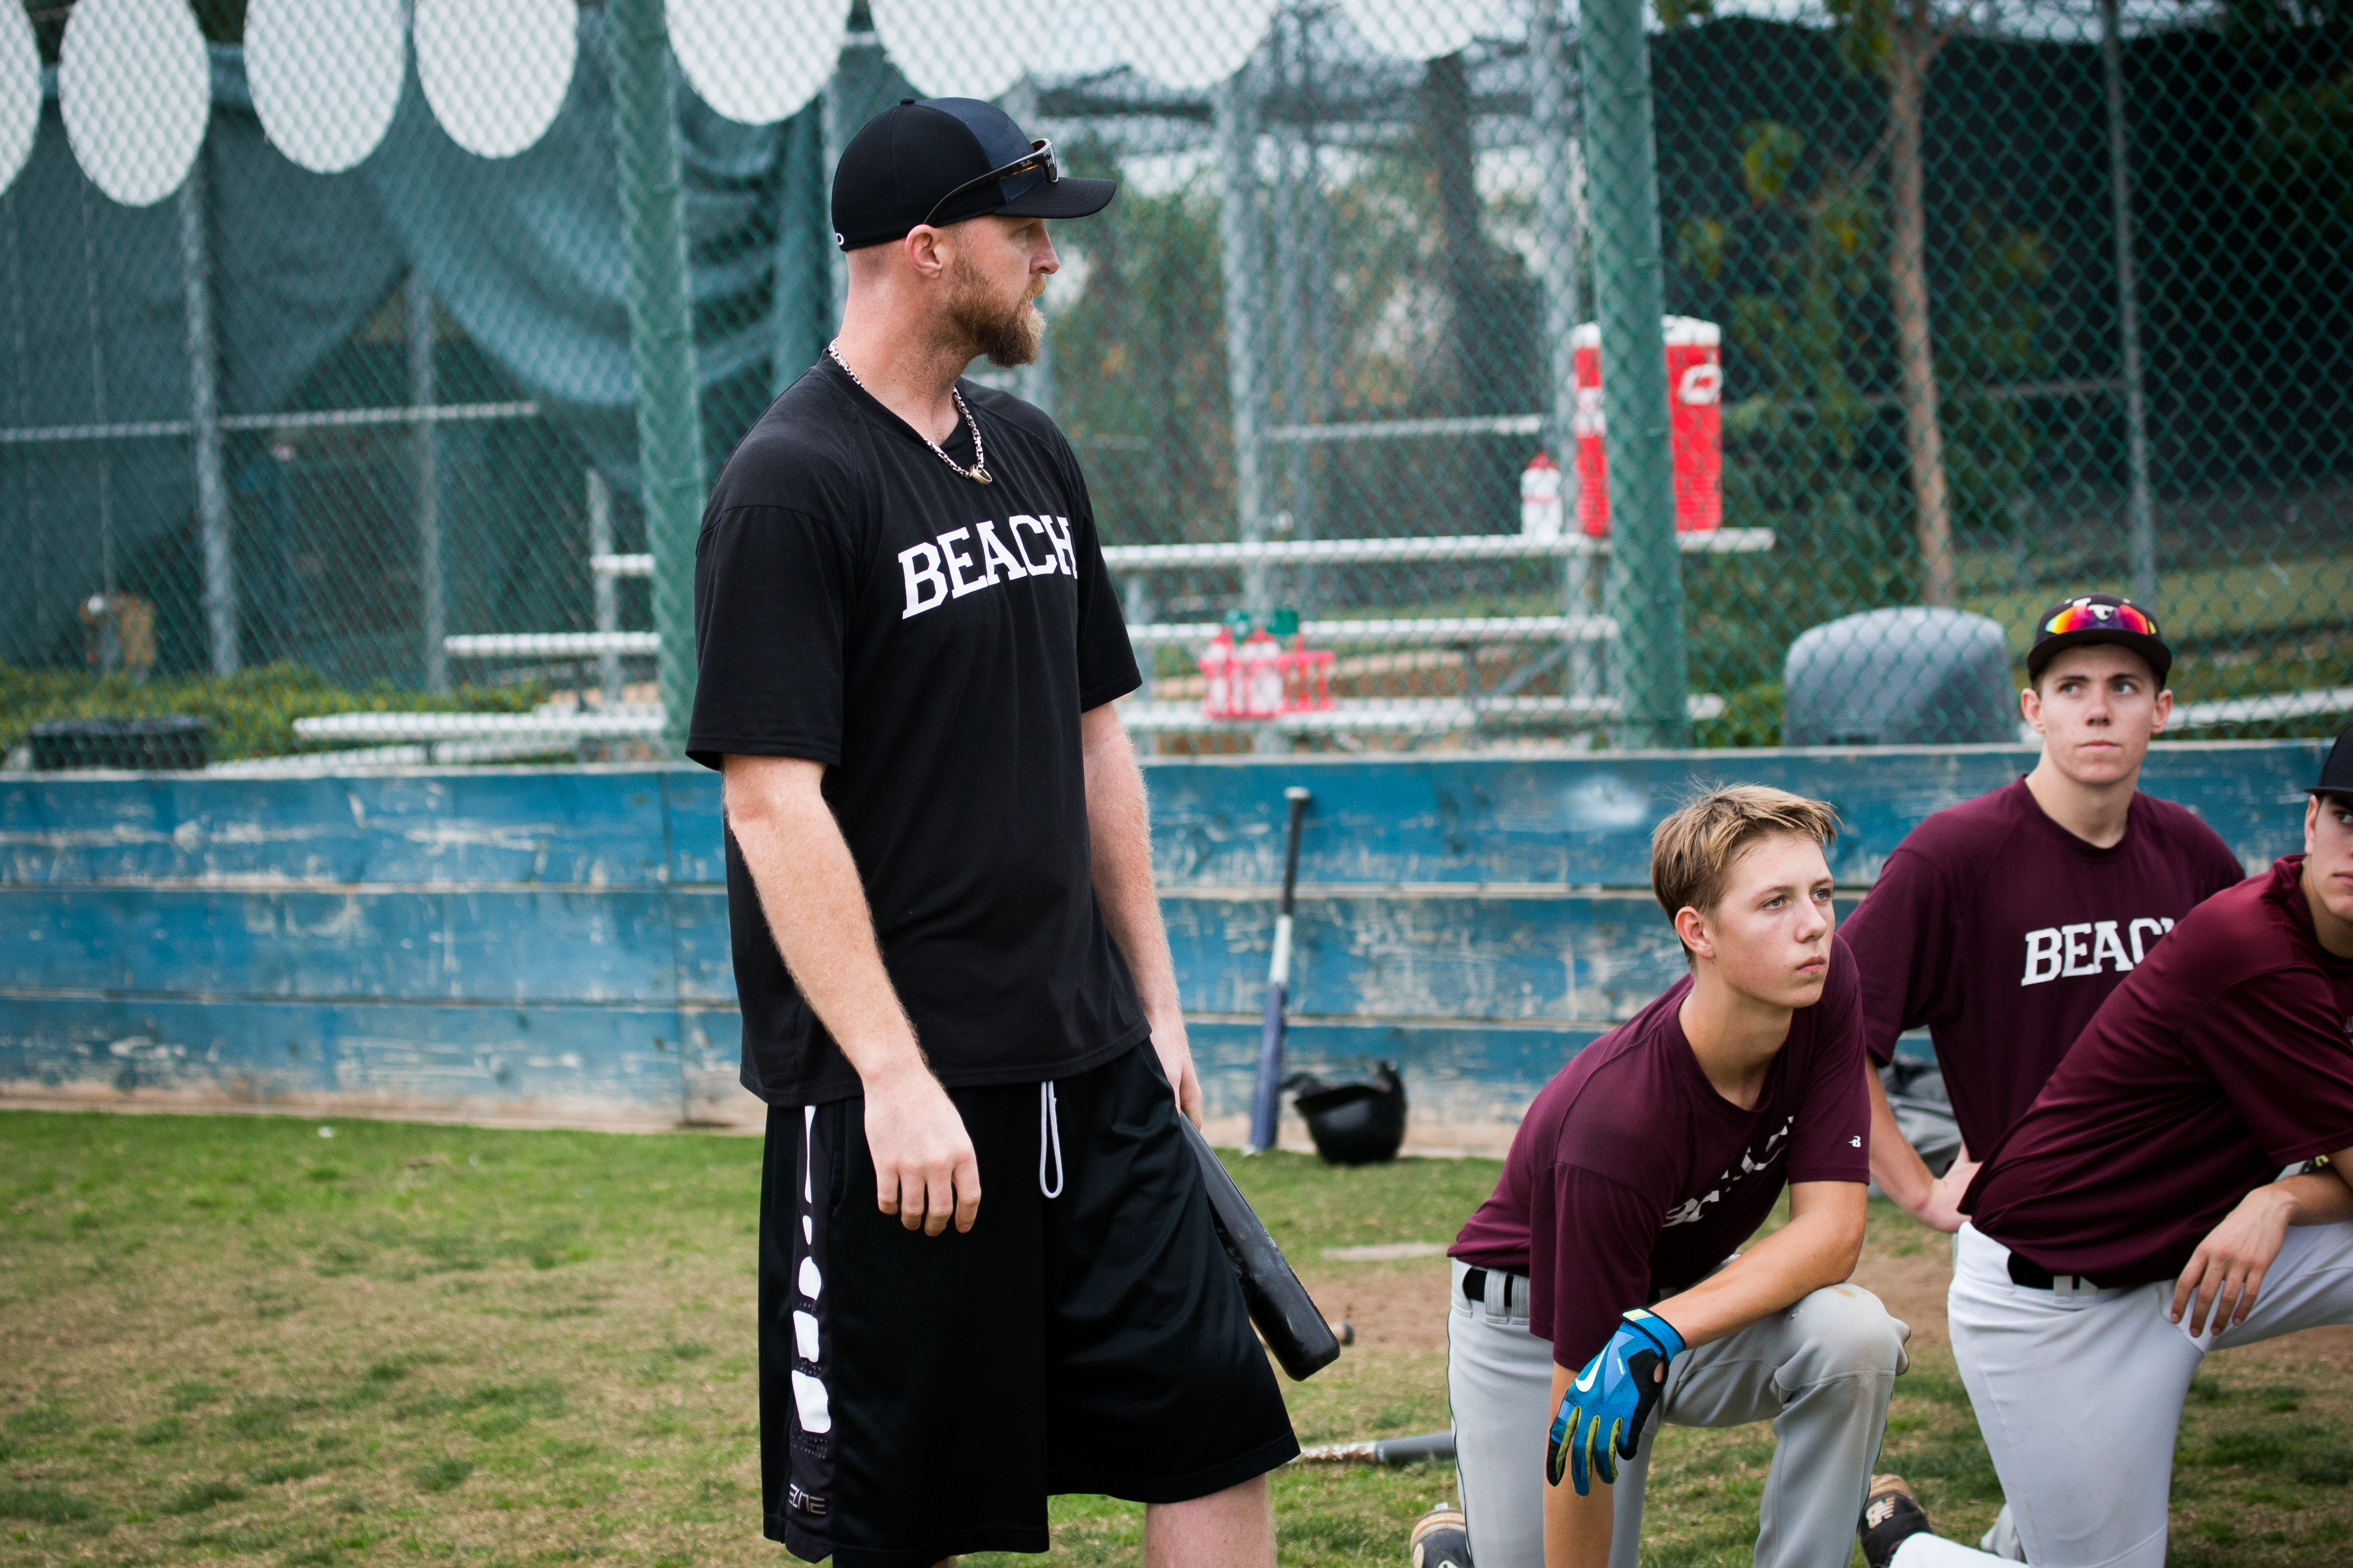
[(1039, 156), (2100, 618)]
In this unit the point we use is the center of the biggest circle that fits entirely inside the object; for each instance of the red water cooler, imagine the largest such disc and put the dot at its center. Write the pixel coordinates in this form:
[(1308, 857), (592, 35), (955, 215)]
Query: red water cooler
[(1695, 398)]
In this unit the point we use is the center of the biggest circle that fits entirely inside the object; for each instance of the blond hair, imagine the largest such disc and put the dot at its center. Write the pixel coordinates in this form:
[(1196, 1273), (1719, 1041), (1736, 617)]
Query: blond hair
[(1691, 852)]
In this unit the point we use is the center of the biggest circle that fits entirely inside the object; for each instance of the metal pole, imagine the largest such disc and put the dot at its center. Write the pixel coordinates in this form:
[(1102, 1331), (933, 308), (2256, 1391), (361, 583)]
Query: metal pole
[(96, 320), (802, 289), (831, 112), (1034, 382), (1291, 265), (425, 443), (1646, 586), (1239, 258), (1558, 237), (203, 414), (2142, 528), (661, 340), (608, 588)]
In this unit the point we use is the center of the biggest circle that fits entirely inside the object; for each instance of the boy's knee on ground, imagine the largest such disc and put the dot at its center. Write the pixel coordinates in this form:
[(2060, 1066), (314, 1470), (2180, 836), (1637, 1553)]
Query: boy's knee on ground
[(1844, 1329)]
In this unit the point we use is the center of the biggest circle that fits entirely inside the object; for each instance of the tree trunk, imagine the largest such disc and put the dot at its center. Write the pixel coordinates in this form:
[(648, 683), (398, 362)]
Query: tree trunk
[(1912, 45), (1446, 111)]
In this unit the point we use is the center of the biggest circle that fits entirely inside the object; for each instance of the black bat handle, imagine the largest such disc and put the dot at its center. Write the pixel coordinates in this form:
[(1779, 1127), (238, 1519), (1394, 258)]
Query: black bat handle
[(1286, 1316), (1298, 798)]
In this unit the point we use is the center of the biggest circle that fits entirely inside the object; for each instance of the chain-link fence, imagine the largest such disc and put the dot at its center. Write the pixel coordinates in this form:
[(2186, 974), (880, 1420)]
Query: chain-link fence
[(325, 322)]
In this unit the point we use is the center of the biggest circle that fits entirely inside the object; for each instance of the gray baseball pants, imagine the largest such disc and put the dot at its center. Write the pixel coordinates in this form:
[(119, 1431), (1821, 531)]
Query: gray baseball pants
[(2079, 1391), (1821, 1373)]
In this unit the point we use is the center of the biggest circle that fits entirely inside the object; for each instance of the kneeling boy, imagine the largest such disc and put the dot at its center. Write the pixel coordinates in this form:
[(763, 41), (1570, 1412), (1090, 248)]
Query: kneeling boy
[(2135, 1218), (1600, 1286)]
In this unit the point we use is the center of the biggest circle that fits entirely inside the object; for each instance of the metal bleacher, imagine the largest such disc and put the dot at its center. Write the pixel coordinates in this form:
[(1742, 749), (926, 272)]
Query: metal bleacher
[(572, 721)]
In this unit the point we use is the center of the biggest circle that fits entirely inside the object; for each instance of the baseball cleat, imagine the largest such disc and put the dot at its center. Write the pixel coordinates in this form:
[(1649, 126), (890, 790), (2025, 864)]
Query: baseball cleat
[(1891, 1516), (1440, 1538)]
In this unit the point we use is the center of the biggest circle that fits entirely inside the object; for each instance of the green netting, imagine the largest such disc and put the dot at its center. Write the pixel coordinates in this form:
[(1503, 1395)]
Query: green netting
[(2010, 301)]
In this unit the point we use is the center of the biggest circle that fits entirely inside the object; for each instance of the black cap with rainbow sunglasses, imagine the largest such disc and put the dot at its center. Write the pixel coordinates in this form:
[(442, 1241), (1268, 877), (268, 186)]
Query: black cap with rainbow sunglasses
[(2094, 618)]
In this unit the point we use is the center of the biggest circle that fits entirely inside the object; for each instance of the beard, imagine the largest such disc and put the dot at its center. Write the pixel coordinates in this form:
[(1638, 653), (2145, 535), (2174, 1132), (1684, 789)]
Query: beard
[(1008, 334)]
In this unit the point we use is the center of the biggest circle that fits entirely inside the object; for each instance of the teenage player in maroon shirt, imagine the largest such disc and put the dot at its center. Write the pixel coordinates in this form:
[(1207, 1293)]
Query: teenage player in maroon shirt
[(2135, 1219), (2002, 924), (1613, 1243)]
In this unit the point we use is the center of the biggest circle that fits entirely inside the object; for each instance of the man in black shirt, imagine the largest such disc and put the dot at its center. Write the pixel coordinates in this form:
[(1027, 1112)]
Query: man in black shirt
[(947, 946)]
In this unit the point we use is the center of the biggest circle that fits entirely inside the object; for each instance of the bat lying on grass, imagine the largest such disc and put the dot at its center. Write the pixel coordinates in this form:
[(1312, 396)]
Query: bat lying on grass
[(1382, 1450)]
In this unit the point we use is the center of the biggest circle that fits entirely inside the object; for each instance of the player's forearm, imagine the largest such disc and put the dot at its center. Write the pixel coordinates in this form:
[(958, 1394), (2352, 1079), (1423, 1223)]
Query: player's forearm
[(1577, 1529), (2319, 1197), (1119, 835), (1895, 1165), (1815, 1250), (815, 909)]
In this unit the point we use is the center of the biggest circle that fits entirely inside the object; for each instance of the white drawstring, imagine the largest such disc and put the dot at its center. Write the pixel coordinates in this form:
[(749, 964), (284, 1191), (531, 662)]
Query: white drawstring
[(1050, 1136)]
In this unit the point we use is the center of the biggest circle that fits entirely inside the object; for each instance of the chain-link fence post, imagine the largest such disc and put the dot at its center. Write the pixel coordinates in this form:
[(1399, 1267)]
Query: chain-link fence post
[(1646, 586), (1240, 263), (661, 340), (803, 289), (2141, 517), (204, 419), (607, 591), (432, 579), (1558, 244)]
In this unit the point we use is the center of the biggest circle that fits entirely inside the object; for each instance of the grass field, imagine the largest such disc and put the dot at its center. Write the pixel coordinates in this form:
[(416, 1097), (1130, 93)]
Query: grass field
[(239, 1340)]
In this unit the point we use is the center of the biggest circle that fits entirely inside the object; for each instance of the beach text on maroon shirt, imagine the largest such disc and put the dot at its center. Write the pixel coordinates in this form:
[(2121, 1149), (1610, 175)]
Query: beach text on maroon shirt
[(2226, 1056), (2001, 934)]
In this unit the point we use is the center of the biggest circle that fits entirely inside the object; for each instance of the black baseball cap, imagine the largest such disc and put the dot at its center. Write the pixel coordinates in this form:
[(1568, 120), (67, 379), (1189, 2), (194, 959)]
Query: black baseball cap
[(2098, 617), (944, 160), (2337, 772)]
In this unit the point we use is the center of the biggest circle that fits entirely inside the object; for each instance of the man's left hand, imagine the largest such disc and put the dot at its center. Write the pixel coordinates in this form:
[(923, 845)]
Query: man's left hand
[(1177, 1061), (2218, 1286), (1607, 1406)]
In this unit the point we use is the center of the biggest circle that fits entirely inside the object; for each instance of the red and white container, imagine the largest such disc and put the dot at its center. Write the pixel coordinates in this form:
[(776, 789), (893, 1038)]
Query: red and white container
[(1540, 498), (1220, 673), (1696, 401), (1261, 676)]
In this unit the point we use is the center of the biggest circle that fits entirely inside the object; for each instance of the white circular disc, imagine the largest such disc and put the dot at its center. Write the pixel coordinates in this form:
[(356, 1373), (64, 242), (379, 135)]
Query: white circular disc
[(496, 71), (20, 92), (1422, 29), (325, 76), (757, 61), (1197, 43), (135, 87), (957, 48)]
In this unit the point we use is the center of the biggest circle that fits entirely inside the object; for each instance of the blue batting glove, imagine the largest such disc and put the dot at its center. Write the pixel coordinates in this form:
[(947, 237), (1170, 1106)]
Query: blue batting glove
[(1606, 1406)]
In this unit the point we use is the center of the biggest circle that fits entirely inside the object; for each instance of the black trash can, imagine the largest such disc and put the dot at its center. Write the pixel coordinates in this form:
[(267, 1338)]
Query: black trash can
[(177, 744)]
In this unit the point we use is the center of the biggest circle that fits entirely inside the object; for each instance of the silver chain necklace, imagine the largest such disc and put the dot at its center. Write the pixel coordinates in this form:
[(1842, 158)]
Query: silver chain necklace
[(978, 473)]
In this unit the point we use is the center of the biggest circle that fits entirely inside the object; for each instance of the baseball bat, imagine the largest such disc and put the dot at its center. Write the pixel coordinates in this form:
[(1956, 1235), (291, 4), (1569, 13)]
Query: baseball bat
[(1382, 1451), (1266, 1095), (1279, 1304)]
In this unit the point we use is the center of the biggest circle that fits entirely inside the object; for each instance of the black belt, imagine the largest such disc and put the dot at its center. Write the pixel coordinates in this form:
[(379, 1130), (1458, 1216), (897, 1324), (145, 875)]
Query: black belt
[(1474, 1288), (2034, 1276)]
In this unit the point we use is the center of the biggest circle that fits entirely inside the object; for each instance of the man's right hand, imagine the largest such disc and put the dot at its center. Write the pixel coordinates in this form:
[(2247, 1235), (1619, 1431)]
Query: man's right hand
[(925, 1168), (1942, 1208)]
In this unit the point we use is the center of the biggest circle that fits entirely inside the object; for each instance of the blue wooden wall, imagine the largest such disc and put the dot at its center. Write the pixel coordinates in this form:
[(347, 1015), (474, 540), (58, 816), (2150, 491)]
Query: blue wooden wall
[(552, 944)]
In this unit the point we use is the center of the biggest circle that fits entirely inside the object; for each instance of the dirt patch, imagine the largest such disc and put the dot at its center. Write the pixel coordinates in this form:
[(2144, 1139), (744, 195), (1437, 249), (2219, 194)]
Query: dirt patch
[(1403, 1305), (1910, 1279), (1394, 1306)]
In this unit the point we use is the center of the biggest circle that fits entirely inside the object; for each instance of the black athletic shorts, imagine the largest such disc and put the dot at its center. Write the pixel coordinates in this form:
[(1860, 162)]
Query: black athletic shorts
[(922, 1397)]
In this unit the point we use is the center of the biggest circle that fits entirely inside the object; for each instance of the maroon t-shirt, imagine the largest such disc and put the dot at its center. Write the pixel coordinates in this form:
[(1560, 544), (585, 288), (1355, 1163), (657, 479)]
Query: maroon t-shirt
[(1632, 1177), (2001, 933), (2225, 1056)]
